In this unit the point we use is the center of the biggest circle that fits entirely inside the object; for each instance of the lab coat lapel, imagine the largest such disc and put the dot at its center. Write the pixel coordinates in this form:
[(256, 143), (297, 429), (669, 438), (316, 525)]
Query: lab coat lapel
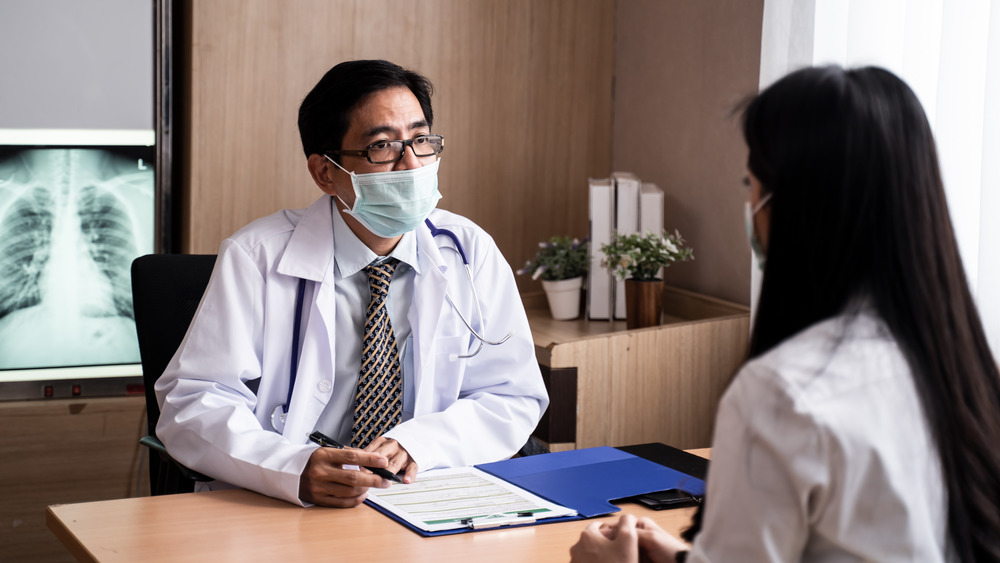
[(428, 299), (309, 255), (309, 252)]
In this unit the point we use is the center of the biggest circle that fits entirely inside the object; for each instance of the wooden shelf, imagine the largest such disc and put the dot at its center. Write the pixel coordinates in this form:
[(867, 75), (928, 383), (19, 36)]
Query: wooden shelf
[(656, 384)]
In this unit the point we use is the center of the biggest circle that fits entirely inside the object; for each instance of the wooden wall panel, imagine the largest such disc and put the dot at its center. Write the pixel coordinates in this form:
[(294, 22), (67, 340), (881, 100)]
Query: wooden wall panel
[(523, 95), (680, 70)]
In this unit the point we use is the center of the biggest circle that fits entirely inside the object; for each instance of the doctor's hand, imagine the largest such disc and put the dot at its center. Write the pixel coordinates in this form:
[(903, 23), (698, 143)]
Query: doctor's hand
[(325, 482), (397, 455)]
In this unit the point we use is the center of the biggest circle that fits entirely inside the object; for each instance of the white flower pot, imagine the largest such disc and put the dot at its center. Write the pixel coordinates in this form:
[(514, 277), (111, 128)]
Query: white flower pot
[(564, 297)]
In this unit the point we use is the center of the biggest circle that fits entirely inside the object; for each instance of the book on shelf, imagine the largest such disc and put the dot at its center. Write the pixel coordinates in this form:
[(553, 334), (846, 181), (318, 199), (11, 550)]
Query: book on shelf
[(599, 287), (626, 223), (651, 211)]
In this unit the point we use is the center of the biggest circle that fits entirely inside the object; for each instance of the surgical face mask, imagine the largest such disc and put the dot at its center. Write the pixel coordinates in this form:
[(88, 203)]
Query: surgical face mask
[(749, 213), (392, 203)]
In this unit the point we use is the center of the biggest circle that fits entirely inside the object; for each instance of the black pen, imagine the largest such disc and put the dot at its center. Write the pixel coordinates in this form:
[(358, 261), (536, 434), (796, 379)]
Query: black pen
[(327, 442)]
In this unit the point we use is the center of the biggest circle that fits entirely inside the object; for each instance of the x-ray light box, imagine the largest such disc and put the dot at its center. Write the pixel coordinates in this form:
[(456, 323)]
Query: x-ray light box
[(76, 207)]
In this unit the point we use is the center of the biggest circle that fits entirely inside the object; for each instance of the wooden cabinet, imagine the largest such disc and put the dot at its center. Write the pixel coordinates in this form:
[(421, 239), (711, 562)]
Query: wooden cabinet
[(65, 451), (612, 387)]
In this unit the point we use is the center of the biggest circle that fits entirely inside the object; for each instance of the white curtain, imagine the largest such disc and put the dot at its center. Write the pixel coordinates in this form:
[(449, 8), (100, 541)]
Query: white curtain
[(949, 54)]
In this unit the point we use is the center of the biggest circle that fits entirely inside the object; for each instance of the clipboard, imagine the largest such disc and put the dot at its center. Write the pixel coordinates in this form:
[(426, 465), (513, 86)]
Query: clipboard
[(464, 499), (585, 480)]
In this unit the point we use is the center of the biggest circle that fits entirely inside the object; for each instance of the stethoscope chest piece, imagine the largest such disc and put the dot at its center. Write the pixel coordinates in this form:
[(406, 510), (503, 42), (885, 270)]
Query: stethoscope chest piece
[(278, 418)]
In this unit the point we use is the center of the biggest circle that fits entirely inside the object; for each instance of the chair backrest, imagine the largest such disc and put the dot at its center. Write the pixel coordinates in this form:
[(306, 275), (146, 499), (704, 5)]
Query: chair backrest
[(166, 290)]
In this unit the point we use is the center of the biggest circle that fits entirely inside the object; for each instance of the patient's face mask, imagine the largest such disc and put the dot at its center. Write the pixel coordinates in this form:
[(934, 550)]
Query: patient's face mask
[(392, 203), (749, 213)]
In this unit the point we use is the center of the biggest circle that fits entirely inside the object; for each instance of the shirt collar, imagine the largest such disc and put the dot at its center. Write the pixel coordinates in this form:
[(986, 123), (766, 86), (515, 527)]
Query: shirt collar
[(352, 255)]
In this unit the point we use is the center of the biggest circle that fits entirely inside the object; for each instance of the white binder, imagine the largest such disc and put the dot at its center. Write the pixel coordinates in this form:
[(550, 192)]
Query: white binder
[(651, 211), (599, 285), (626, 223)]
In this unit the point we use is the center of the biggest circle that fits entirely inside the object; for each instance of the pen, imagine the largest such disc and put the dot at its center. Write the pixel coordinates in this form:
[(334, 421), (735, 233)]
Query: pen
[(327, 442), (495, 520)]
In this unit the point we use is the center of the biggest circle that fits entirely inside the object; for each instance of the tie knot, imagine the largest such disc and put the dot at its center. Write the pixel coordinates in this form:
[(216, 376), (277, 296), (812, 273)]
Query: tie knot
[(379, 276)]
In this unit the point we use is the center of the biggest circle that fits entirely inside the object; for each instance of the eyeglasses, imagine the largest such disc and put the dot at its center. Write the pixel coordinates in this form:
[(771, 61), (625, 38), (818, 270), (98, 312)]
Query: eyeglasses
[(384, 152)]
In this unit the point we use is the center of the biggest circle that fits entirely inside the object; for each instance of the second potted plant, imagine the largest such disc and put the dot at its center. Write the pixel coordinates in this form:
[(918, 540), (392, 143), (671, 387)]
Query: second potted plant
[(560, 263), (638, 259)]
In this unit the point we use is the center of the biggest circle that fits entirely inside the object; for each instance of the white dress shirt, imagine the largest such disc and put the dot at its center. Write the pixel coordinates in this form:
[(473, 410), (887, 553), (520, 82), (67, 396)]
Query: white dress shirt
[(822, 453), (352, 297)]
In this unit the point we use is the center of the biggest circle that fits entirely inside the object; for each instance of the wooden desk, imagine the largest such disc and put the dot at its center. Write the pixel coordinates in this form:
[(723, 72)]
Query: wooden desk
[(610, 386), (238, 525)]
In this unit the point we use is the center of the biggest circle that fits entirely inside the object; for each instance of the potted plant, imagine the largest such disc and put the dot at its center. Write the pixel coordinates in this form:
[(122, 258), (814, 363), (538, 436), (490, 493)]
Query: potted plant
[(560, 263), (638, 259)]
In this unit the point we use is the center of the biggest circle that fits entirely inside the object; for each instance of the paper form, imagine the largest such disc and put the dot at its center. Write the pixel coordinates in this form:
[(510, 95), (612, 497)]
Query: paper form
[(444, 499)]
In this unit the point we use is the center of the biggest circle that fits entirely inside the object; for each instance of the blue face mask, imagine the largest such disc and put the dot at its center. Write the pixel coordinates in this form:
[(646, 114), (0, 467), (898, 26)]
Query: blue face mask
[(749, 212), (392, 203)]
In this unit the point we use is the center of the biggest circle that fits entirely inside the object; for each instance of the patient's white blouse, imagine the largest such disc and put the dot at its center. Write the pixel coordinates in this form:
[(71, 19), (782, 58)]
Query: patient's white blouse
[(821, 452)]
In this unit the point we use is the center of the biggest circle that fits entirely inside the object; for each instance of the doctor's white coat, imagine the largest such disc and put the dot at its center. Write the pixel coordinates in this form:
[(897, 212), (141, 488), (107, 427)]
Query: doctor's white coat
[(465, 411)]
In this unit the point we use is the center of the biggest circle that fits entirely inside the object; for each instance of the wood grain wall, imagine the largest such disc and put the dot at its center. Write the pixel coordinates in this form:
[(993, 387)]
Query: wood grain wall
[(523, 96), (680, 70)]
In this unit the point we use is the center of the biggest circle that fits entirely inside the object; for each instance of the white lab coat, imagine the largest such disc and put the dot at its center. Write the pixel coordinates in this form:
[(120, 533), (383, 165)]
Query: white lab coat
[(465, 411)]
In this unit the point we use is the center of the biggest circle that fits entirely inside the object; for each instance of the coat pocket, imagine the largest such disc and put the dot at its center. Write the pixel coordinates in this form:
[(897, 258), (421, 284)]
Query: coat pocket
[(449, 370)]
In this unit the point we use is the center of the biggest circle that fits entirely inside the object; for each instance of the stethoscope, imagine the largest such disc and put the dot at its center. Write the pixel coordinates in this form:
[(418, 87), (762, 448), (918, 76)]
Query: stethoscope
[(475, 295), (279, 413)]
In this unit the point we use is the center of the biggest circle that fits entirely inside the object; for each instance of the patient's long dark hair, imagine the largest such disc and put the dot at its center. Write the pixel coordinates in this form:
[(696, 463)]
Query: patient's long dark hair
[(858, 208)]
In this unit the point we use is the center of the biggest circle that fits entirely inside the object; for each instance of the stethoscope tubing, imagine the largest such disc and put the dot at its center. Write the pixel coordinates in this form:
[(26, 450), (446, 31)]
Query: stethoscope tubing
[(278, 415), (475, 294)]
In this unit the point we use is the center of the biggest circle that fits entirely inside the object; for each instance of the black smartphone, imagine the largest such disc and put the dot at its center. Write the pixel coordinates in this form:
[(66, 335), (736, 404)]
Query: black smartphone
[(670, 498)]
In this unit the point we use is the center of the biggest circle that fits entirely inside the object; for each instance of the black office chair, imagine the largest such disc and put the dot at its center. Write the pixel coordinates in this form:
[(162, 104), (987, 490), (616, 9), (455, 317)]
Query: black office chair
[(166, 290), (533, 446)]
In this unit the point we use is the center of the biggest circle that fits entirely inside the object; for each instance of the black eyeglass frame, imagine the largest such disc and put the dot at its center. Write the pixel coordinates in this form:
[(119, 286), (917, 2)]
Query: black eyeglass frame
[(406, 143)]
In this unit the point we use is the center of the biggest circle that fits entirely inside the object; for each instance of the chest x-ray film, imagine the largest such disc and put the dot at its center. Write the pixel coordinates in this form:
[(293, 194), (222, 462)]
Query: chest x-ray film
[(72, 219)]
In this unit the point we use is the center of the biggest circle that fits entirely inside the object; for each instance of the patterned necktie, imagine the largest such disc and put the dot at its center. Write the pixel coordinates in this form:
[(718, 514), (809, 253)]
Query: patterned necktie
[(377, 401)]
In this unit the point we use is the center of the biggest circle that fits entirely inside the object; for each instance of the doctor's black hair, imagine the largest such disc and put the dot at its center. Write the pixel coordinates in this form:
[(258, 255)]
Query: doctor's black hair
[(325, 113), (858, 208)]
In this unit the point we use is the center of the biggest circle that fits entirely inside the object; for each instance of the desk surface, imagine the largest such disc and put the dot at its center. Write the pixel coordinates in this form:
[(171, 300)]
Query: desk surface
[(238, 525)]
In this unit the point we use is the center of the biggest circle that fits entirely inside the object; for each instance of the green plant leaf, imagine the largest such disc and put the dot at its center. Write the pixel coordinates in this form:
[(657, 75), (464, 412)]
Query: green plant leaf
[(559, 258), (641, 256)]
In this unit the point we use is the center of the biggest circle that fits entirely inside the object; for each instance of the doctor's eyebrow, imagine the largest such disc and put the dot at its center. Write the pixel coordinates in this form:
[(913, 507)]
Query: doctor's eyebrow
[(380, 129)]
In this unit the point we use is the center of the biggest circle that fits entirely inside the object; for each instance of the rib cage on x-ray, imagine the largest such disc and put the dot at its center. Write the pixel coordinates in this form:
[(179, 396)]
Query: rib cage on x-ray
[(25, 239), (71, 222)]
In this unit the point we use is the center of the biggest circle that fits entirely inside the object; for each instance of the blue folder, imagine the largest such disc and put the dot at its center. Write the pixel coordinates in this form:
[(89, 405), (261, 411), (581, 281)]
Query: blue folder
[(588, 480), (585, 480)]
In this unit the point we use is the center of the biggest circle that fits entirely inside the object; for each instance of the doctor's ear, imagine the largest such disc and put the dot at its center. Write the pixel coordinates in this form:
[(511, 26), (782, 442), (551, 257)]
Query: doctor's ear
[(323, 172)]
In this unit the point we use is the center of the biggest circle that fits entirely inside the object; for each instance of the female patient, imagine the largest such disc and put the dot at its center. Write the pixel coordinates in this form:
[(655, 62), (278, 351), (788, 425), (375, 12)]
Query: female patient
[(866, 423)]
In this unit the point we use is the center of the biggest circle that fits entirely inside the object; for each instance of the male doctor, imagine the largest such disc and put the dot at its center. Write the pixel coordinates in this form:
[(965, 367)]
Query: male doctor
[(347, 318)]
